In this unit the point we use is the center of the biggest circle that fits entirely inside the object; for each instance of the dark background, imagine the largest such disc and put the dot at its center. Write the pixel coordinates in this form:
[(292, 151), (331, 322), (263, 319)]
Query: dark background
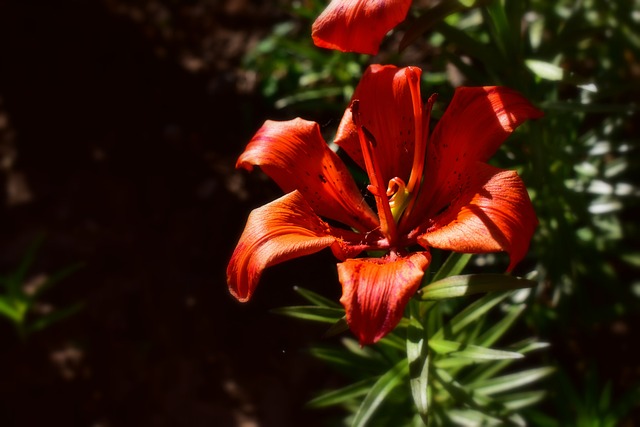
[(120, 123)]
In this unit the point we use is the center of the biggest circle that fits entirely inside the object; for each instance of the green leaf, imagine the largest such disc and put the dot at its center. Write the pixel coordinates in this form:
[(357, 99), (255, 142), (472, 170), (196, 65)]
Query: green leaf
[(483, 372), (494, 333), (471, 351), (428, 19), (311, 312), (471, 417), (517, 401), (495, 17), (470, 314), (457, 286), (336, 397), (455, 263), (8, 310), (53, 317), (357, 366), (460, 392), (545, 70), (315, 298), (418, 358), (472, 47), (511, 381), (308, 95), (337, 328), (379, 392)]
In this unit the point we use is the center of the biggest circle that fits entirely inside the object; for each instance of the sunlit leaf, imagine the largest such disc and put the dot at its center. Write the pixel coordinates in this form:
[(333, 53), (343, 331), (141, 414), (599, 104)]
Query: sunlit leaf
[(457, 286), (470, 351), (545, 70), (470, 314), (511, 381), (8, 310), (454, 264), (379, 392)]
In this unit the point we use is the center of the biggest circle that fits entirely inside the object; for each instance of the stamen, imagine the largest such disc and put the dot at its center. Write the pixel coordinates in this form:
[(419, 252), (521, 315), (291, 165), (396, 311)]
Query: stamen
[(367, 144), (422, 117)]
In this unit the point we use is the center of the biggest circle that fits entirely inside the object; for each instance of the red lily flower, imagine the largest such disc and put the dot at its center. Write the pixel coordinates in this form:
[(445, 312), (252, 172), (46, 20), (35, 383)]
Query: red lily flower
[(430, 191), (357, 25)]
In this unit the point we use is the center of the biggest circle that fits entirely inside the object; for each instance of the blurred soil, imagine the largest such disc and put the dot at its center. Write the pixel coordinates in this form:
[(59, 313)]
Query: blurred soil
[(120, 123)]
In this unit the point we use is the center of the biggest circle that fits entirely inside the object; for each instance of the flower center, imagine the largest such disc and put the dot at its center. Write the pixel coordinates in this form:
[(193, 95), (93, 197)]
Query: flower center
[(398, 197)]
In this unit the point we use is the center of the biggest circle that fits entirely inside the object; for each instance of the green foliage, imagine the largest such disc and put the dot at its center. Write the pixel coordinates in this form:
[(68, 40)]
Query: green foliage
[(19, 300), (292, 72), (577, 61), (448, 359)]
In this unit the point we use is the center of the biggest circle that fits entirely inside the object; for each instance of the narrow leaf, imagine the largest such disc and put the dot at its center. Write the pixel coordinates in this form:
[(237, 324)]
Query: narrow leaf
[(315, 298), (470, 314), (517, 401), (8, 310), (379, 393), (512, 381), (336, 397), (455, 263), (56, 316), (337, 328), (457, 286), (493, 334), (313, 313), (428, 19), (471, 351), (418, 358)]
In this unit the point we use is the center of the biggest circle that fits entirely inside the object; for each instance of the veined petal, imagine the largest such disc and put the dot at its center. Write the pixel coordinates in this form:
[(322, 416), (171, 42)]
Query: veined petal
[(386, 110), (294, 154), (493, 213), (473, 127), (284, 229), (357, 25), (376, 290)]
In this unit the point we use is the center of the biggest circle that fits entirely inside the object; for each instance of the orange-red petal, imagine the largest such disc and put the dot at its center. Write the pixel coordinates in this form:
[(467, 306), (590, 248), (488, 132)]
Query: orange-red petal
[(294, 154), (386, 110), (284, 229), (473, 127), (375, 292), (493, 213), (357, 25)]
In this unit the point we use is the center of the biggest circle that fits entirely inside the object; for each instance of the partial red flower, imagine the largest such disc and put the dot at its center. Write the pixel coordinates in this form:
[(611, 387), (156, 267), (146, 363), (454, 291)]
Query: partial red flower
[(358, 25), (430, 190)]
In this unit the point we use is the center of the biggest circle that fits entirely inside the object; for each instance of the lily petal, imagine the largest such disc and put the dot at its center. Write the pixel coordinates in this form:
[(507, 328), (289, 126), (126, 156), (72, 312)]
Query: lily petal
[(284, 229), (376, 290), (473, 127), (493, 213), (294, 154), (386, 110), (357, 25)]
